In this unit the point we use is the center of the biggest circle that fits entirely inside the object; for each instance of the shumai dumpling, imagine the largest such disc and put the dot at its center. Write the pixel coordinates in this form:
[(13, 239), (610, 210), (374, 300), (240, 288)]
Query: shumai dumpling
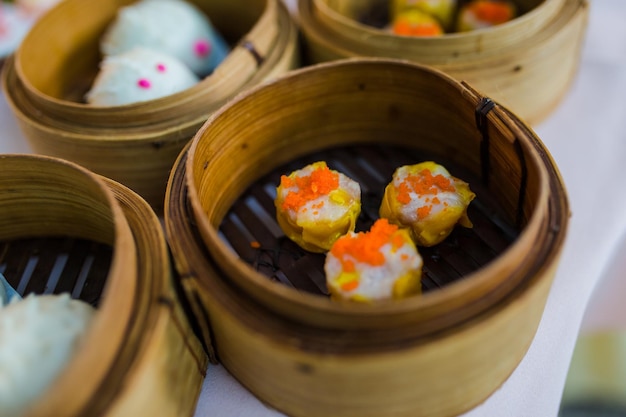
[(382, 263), (428, 200), (478, 14), (416, 23), (442, 10), (316, 205)]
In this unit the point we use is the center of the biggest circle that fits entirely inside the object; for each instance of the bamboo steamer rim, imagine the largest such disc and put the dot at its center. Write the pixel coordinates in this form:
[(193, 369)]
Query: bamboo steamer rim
[(283, 298), (155, 306), (24, 109), (544, 62), (153, 271), (483, 350), (153, 313), (229, 77), (139, 156), (282, 58), (187, 257), (96, 353), (483, 39), (194, 265), (347, 37)]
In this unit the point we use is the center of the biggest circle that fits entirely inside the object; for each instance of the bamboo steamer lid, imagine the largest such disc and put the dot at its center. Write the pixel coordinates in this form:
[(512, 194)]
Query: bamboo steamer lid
[(472, 325), (113, 255), (134, 144), (527, 64)]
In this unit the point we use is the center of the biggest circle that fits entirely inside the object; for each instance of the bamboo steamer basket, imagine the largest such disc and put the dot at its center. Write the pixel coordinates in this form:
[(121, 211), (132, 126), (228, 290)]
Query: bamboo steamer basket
[(65, 229), (265, 311), (134, 144), (526, 64)]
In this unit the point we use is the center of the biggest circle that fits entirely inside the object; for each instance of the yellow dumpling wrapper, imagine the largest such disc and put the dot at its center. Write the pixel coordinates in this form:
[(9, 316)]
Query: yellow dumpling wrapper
[(382, 263), (478, 14), (316, 205), (416, 23), (428, 200), (442, 10)]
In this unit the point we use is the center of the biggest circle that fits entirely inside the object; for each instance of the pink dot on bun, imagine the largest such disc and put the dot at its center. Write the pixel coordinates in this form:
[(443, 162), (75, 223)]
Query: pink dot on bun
[(143, 83), (202, 47)]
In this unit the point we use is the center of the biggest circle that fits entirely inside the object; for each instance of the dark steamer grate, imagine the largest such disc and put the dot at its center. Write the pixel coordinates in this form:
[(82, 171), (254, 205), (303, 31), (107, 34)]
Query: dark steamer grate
[(253, 219), (56, 265)]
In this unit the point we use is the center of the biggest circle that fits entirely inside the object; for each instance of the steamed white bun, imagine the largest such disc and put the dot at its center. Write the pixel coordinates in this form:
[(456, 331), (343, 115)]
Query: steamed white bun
[(175, 27), (38, 336), (138, 75)]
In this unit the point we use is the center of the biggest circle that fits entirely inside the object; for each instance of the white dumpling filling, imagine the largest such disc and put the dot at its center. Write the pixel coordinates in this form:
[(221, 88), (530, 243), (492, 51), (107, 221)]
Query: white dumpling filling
[(38, 336)]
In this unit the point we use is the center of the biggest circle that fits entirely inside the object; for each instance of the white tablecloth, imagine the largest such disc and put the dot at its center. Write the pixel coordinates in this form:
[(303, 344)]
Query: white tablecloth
[(587, 138)]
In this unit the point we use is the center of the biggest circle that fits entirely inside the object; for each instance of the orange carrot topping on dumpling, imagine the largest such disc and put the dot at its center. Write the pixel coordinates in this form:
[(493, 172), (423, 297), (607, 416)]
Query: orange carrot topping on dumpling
[(316, 205), (484, 13), (441, 10), (382, 263), (428, 200), (416, 23)]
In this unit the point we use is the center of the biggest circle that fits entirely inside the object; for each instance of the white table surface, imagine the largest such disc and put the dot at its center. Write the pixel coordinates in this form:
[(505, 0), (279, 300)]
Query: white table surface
[(587, 138)]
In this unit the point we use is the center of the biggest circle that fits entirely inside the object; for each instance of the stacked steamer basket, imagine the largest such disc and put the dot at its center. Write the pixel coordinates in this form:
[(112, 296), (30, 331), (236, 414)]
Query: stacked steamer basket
[(64, 229), (527, 64), (264, 308), (134, 144)]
